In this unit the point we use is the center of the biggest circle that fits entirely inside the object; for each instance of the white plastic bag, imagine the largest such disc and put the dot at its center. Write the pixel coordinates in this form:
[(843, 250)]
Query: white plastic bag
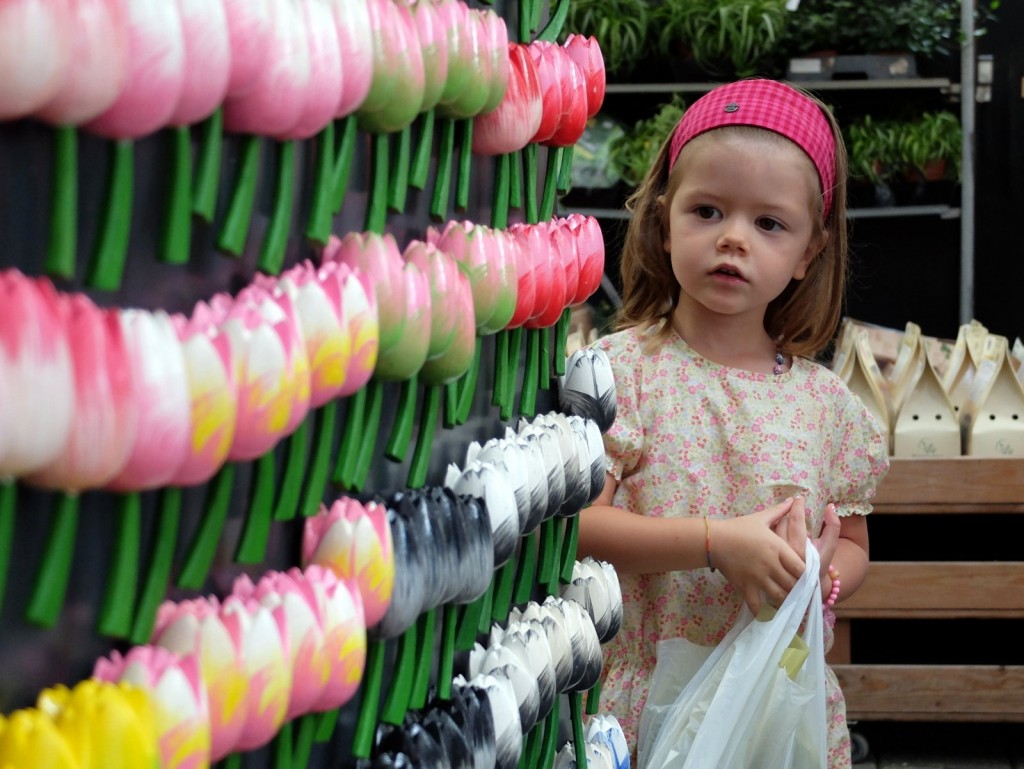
[(740, 709)]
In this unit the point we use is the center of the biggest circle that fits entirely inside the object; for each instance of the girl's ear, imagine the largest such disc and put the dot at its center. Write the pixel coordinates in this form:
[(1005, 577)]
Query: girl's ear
[(814, 248)]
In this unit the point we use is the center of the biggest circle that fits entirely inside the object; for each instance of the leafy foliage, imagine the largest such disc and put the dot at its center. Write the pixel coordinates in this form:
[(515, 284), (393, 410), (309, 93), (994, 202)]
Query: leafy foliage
[(633, 152)]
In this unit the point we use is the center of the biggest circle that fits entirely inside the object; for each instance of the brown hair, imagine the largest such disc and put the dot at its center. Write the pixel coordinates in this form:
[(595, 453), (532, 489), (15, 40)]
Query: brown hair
[(804, 317)]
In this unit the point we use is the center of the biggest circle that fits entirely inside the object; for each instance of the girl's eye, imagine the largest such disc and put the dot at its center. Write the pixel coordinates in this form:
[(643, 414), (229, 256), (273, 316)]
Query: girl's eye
[(706, 212), (770, 225)]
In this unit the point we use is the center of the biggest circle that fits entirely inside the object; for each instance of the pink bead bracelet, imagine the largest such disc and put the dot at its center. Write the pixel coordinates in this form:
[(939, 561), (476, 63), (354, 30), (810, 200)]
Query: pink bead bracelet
[(833, 595)]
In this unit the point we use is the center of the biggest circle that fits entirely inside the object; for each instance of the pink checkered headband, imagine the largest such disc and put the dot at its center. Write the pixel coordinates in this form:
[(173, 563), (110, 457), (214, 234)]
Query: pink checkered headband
[(765, 104)]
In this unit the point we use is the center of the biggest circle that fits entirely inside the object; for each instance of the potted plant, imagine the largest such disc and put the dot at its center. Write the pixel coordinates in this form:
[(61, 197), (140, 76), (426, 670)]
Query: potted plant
[(930, 146), (620, 26), (871, 145), (725, 38), (633, 152)]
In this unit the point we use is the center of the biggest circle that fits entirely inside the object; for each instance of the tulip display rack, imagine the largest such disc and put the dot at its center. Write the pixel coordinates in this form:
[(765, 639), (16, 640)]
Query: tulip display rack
[(290, 469)]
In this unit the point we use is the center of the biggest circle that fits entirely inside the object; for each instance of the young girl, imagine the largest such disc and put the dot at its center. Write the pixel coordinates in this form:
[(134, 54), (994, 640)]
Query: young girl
[(728, 434)]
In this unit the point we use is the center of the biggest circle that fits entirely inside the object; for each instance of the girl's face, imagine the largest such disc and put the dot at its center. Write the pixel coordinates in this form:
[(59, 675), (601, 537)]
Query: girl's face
[(740, 221)]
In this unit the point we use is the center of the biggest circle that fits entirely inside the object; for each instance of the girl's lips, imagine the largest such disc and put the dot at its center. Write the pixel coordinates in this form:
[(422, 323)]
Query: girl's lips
[(727, 272)]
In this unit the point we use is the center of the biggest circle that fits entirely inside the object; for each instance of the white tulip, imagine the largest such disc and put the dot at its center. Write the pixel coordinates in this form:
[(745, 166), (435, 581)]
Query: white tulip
[(508, 732), (485, 482), (588, 387), (530, 644), (552, 624)]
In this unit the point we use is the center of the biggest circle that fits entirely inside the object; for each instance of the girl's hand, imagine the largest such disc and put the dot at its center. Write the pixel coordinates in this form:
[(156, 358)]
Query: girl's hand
[(827, 545), (759, 561)]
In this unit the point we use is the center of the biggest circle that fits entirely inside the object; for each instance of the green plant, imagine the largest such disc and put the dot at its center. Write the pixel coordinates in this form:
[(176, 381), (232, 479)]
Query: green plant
[(871, 145), (933, 137), (621, 28), (633, 152), (725, 37)]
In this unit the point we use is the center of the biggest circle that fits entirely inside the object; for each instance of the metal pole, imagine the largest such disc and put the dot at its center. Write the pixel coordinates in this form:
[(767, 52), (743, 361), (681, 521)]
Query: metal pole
[(967, 85)]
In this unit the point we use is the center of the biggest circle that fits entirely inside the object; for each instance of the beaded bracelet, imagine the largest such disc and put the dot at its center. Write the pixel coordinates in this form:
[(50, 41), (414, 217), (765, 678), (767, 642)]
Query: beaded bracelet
[(707, 542), (833, 595)]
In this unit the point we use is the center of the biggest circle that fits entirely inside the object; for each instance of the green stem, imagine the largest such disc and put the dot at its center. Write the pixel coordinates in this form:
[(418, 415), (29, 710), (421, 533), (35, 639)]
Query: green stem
[(547, 204), (366, 722), (556, 20), (500, 362), (323, 436), (528, 392), (52, 579), (398, 182), (594, 699), (165, 536), (177, 237), (115, 220), (544, 370), (547, 563), (451, 404), (232, 761), (425, 440), (236, 223), (465, 166), (275, 240), (318, 229), (60, 251), (348, 451), (8, 500), (564, 183), (525, 17), (207, 176), (425, 660), (377, 208), (515, 182), (369, 438), (252, 546), (503, 588), (526, 569), (579, 741), (515, 344), (397, 702), (283, 745), (570, 539), (443, 177), (467, 385), (530, 182), (561, 337), (446, 663), (204, 542), (405, 414), (550, 745), (116, 615), (343, 163), (304, 740), (325, 725), (424, 149), (296, 452), (500, 197), (470, 616)]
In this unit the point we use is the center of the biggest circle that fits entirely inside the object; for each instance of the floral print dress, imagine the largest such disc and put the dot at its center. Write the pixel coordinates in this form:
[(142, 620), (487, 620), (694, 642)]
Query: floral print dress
[(694, 438)]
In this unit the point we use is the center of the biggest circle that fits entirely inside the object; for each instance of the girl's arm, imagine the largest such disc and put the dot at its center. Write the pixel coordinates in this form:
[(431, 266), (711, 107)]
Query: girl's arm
[(843, 544), (749, 553)]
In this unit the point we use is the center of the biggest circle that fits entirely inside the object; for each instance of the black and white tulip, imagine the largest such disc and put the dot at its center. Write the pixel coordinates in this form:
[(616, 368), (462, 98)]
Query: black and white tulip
[(588, 387)]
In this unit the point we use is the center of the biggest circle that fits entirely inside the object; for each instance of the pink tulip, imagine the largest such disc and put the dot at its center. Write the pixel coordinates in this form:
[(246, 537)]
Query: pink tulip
[(516, 120), (180, 703), (399, 81), (442, 274), (273, 371), (36, 375), (198, 627), (380, 260), (265, 655), (564, 262), (471, 246), (35, 53), (344, 635), (204, 26), (456, 360), (213, 396), (355, 41), (586, 52), (294, 598), (105, 414), (526, 239), (353, 541), (99, 63), (495, 44), (338, 318), (407, 357), (550, 275), (323, 95), (156, 72), (563, 89), (248, 32), (468, 86), (433, 40), (275, 103), (590, 251), (162, 397)]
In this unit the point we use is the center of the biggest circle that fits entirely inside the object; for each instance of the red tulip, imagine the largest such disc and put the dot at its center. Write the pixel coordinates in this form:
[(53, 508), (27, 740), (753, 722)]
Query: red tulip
[(564, 92), (35, 53), (566, 253), (548, 263), (526, 240), (516, 119), (99, 63), (586, 52), (590, 251)]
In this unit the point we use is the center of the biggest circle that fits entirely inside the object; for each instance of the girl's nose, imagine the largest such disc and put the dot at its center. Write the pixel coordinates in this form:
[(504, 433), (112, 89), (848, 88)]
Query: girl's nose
[(733, 236)]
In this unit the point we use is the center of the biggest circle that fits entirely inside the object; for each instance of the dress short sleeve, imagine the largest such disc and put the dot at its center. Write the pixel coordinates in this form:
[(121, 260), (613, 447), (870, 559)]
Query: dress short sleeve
[(860, 460), (624, 440)]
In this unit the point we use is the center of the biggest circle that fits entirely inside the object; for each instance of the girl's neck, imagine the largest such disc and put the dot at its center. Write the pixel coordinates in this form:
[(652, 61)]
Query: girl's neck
[(732, 342)]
